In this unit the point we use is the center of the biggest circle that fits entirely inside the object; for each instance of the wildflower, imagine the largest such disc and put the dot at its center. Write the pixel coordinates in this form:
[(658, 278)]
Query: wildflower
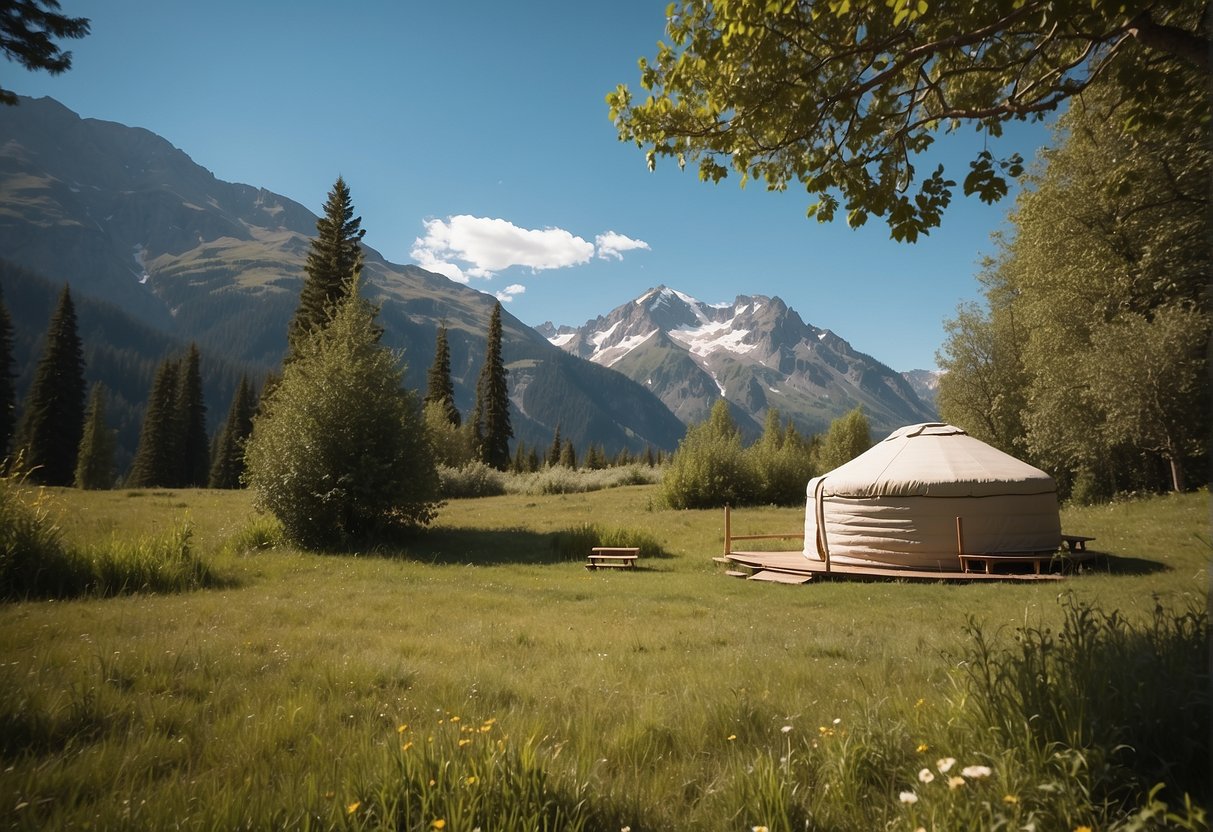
[(464, 742), (760, 829), (1083, 828), (454, 719), (837, 720), (353, 807), (732, 737), (438, 823), (955, 782), (400, 729), (920, 702), (472, 780), (923, 748), (944, 764), (785, 729), (976, 772), (407, 746), (625, 829), (925, 776), (908, 797), (1010, 799)]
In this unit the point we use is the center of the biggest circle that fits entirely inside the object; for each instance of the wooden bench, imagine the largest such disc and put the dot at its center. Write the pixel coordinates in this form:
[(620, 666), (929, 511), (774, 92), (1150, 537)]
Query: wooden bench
[(989, 561), (618, 557), (1075, 543)]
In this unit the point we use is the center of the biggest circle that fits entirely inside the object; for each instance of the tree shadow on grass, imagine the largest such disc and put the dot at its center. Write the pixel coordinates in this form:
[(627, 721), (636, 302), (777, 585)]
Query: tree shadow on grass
[(495, 547), (1109, 564)]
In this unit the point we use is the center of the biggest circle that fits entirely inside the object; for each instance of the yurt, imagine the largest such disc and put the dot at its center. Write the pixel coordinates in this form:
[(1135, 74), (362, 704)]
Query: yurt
[(914, 499)]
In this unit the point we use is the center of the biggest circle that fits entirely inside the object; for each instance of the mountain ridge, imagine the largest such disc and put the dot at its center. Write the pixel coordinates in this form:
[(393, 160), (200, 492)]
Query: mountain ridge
[(128, 218), (757, 353)]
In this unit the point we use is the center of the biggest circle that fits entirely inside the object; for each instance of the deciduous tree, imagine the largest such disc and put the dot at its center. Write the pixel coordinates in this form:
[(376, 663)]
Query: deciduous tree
[(53, 417), (841, 97), (847, 437)]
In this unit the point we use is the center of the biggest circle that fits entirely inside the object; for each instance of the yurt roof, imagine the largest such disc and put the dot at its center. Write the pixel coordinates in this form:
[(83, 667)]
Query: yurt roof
[(934, 460)]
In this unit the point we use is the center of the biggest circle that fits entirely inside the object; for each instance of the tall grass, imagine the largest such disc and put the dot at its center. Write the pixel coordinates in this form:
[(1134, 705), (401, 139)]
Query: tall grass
[(36, 562)]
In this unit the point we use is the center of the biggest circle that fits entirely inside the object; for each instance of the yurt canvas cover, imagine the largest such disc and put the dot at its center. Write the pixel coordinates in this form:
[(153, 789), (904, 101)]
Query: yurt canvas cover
[(897, 503)]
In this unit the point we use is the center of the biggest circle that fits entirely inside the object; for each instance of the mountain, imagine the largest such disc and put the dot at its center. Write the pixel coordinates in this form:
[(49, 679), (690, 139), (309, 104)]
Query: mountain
[(926, 386), (756, 353), (128, 219)]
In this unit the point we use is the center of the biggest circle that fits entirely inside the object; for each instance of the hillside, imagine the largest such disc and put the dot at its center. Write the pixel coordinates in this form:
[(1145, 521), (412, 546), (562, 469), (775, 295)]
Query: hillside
[(131, 220)]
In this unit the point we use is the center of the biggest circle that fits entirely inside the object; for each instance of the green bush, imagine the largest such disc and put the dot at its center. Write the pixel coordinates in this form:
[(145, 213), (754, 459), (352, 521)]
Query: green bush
[(710, 468), (31, 544), (472, 479), (575, 543), (338, 453)]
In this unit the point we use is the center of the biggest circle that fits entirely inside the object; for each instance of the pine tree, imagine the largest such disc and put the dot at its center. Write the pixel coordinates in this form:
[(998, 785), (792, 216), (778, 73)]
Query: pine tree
[(335, 257), (439, 389), (53, 420), (553, 457), (156, 459), (95, 462), (568, 455), (493, 401), (8, 394), (228, 460), (532, 460), (193, 448)]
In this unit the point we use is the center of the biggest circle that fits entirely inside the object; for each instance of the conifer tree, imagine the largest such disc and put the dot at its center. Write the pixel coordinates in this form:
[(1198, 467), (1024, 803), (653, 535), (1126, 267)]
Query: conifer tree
[(193, 448), (439, 389), (95, 462), (53, 420), (493, 401), (553, 457), (532, 460), (335, 257), (8, 395), (568, 455), (157, 454), (227, 464)]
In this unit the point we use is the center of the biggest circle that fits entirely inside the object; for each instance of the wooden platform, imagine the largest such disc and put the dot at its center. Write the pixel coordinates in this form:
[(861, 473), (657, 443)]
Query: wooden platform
[(794, 564)]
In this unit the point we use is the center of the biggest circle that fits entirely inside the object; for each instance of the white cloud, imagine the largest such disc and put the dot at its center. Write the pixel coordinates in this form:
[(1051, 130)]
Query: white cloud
[(489, 245), (611, 244), (510, 292)]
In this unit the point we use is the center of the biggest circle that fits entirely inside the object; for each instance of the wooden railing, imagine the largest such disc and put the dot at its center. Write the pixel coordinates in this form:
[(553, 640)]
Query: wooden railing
[(729, 537)]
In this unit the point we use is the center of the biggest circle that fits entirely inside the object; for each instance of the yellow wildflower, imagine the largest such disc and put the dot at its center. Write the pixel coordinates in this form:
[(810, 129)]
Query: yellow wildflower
[(438, 823), (1010, 799), (923, 748), (731, 737), (1083, 828), (407, 746), (400, 729), (920, 703), (454, 719), (472, 780), (955, 782), (464, 742), (353, 807)]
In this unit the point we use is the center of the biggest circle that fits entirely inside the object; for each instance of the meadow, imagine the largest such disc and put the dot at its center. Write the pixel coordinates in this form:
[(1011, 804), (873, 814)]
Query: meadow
[(478, 676)]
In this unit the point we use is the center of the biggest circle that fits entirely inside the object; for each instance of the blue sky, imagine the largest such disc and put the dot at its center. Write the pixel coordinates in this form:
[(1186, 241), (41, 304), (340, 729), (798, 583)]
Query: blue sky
[(475, 140)]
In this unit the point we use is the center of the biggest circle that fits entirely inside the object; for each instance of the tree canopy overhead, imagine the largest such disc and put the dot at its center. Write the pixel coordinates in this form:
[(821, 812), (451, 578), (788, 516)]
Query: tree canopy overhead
[(28, 30), (840, 96)]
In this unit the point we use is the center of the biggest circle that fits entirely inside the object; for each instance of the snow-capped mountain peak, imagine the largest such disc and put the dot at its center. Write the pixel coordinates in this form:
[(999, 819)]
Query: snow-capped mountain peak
[(756, 352)]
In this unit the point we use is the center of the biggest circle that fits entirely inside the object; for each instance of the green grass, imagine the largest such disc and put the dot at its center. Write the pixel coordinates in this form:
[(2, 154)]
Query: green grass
[(655, 699)]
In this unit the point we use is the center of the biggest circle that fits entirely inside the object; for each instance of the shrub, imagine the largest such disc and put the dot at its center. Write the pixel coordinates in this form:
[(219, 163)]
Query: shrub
[(260, 534), (338, 453), (31, 543), (709, 468), (473, 479), (575, 543)]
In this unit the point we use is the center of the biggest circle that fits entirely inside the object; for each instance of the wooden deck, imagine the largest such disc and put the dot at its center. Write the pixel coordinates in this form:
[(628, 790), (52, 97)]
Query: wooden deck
[(792, 565)]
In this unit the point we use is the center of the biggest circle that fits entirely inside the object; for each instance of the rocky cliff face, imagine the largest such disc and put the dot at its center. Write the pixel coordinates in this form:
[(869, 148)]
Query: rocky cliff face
[(756, 353)]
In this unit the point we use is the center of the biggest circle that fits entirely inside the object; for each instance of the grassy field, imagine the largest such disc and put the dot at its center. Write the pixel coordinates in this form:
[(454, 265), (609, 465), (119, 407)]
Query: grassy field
[(480, 677)]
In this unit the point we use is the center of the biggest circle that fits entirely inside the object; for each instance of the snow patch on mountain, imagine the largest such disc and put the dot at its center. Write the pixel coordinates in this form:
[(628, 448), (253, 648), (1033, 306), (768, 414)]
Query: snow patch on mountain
[(610, 356)]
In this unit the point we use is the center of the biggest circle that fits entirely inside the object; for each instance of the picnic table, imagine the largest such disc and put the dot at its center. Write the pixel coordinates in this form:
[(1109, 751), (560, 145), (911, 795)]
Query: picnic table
[(618, 557)]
